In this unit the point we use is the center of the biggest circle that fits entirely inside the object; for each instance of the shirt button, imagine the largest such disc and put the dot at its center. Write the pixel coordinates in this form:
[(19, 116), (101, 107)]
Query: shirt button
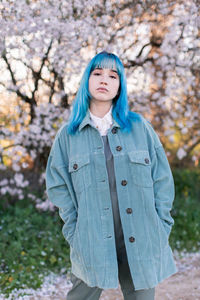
[(114, 130), (75, 166), (129, 210), (131, 239), (118, 148), (123, 182), (146, 160)]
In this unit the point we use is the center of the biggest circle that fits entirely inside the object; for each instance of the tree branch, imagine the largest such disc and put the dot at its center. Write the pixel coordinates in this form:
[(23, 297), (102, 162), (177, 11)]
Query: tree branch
[(14, 81), (140, 53), (37, 75), (133, 63)]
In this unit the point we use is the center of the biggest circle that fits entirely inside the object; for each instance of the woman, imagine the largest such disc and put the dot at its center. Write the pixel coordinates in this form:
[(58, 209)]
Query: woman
[(108, 175)]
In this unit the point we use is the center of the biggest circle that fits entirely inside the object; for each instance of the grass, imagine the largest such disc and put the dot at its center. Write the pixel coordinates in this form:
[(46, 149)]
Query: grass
[(185, 235), (31, 246)]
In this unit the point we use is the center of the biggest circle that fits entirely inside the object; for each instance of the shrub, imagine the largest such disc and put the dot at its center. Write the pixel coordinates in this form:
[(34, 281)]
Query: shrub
[(185, 234), (31, 245)]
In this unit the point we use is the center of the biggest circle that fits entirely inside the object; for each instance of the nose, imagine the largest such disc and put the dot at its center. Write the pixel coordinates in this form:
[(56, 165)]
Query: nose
[(104, 81)]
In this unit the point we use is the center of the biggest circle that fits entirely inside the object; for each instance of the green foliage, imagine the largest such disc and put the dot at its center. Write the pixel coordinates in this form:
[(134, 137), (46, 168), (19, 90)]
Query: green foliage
[(185, 234), (187, 183), (31, 246)]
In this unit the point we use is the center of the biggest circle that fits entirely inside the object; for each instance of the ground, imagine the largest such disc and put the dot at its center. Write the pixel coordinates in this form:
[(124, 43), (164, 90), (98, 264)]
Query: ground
[(184, 285)]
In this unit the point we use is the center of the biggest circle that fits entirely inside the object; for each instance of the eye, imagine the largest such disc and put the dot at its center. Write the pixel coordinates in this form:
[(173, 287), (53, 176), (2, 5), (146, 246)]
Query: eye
[(96, 73), (112, 76)]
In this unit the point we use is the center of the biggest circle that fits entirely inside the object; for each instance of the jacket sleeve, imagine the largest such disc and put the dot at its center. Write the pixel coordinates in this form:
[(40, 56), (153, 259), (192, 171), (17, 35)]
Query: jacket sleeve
[(163, 188), (59, 188), (163, 183)]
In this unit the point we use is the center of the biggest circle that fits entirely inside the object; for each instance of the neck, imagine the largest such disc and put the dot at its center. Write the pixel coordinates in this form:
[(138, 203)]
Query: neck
[(100, 109)]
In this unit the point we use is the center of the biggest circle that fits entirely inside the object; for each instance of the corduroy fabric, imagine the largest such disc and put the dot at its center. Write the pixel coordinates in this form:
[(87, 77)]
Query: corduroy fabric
[(77, 183)]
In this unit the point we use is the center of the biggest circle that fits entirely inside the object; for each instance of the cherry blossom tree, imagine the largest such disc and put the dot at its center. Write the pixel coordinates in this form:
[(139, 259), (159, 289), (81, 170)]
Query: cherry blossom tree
[(46, 44)]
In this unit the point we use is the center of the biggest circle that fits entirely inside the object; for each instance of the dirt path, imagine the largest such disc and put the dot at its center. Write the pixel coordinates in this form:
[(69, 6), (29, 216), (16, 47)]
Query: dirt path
[(184, 285)]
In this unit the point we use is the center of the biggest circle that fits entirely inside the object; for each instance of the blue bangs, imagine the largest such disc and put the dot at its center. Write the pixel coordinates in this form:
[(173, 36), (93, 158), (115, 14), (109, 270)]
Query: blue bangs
[(105, 61), (120, 111)]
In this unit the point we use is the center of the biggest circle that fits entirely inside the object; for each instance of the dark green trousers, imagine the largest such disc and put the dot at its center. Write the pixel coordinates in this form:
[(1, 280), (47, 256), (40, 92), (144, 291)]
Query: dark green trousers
[(81, 291)]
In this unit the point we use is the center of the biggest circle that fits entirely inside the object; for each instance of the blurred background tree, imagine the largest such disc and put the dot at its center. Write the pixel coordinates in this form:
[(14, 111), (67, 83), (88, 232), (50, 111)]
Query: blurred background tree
[(45, 46)]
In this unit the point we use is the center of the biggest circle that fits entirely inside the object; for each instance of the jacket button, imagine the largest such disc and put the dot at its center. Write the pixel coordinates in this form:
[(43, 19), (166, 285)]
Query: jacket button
[(123, 182), (146, 160), (114, 130), (129, 210), (118, 148), (75, 166), (131, 239)]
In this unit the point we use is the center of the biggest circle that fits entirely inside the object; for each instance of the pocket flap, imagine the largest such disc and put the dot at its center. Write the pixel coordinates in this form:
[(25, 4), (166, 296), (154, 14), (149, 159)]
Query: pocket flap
[(140, 157), (78, 162)]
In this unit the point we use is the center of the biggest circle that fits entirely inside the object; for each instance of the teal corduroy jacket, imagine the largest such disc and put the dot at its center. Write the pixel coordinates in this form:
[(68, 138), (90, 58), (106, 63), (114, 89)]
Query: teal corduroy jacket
[(77, 183)]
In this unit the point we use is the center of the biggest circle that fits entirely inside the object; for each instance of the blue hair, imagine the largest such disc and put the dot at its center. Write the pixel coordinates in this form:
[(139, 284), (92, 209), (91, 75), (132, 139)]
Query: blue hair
[(120, 111)]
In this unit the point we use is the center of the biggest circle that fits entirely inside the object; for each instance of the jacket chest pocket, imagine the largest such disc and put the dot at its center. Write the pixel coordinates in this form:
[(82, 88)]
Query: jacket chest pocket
[(79, 168), (140, 165)]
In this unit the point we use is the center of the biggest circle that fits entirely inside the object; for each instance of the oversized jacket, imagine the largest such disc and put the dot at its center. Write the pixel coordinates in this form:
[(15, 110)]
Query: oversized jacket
[(77, 183)]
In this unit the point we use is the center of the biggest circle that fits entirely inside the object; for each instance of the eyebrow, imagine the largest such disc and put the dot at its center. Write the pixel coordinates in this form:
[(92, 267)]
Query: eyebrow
[(110, 70)]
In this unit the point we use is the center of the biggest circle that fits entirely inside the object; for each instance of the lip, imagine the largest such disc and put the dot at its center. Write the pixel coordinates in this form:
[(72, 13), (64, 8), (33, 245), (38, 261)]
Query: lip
[(102, 89)]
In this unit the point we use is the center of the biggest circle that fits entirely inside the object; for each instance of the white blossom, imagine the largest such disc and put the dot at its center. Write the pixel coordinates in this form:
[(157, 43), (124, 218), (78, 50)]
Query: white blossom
[(16, 167), (181, 153), (184, 130), (4, 182)]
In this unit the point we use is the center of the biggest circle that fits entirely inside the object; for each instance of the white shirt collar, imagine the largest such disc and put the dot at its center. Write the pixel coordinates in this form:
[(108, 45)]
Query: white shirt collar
[(102, 124)]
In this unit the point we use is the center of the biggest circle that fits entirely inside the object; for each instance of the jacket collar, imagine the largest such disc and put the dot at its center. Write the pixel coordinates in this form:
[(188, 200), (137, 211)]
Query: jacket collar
[(88, 121)]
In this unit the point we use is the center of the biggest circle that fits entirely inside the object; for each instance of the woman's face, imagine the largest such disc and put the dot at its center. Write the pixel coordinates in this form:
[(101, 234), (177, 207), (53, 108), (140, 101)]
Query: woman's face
[(103, 84)]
